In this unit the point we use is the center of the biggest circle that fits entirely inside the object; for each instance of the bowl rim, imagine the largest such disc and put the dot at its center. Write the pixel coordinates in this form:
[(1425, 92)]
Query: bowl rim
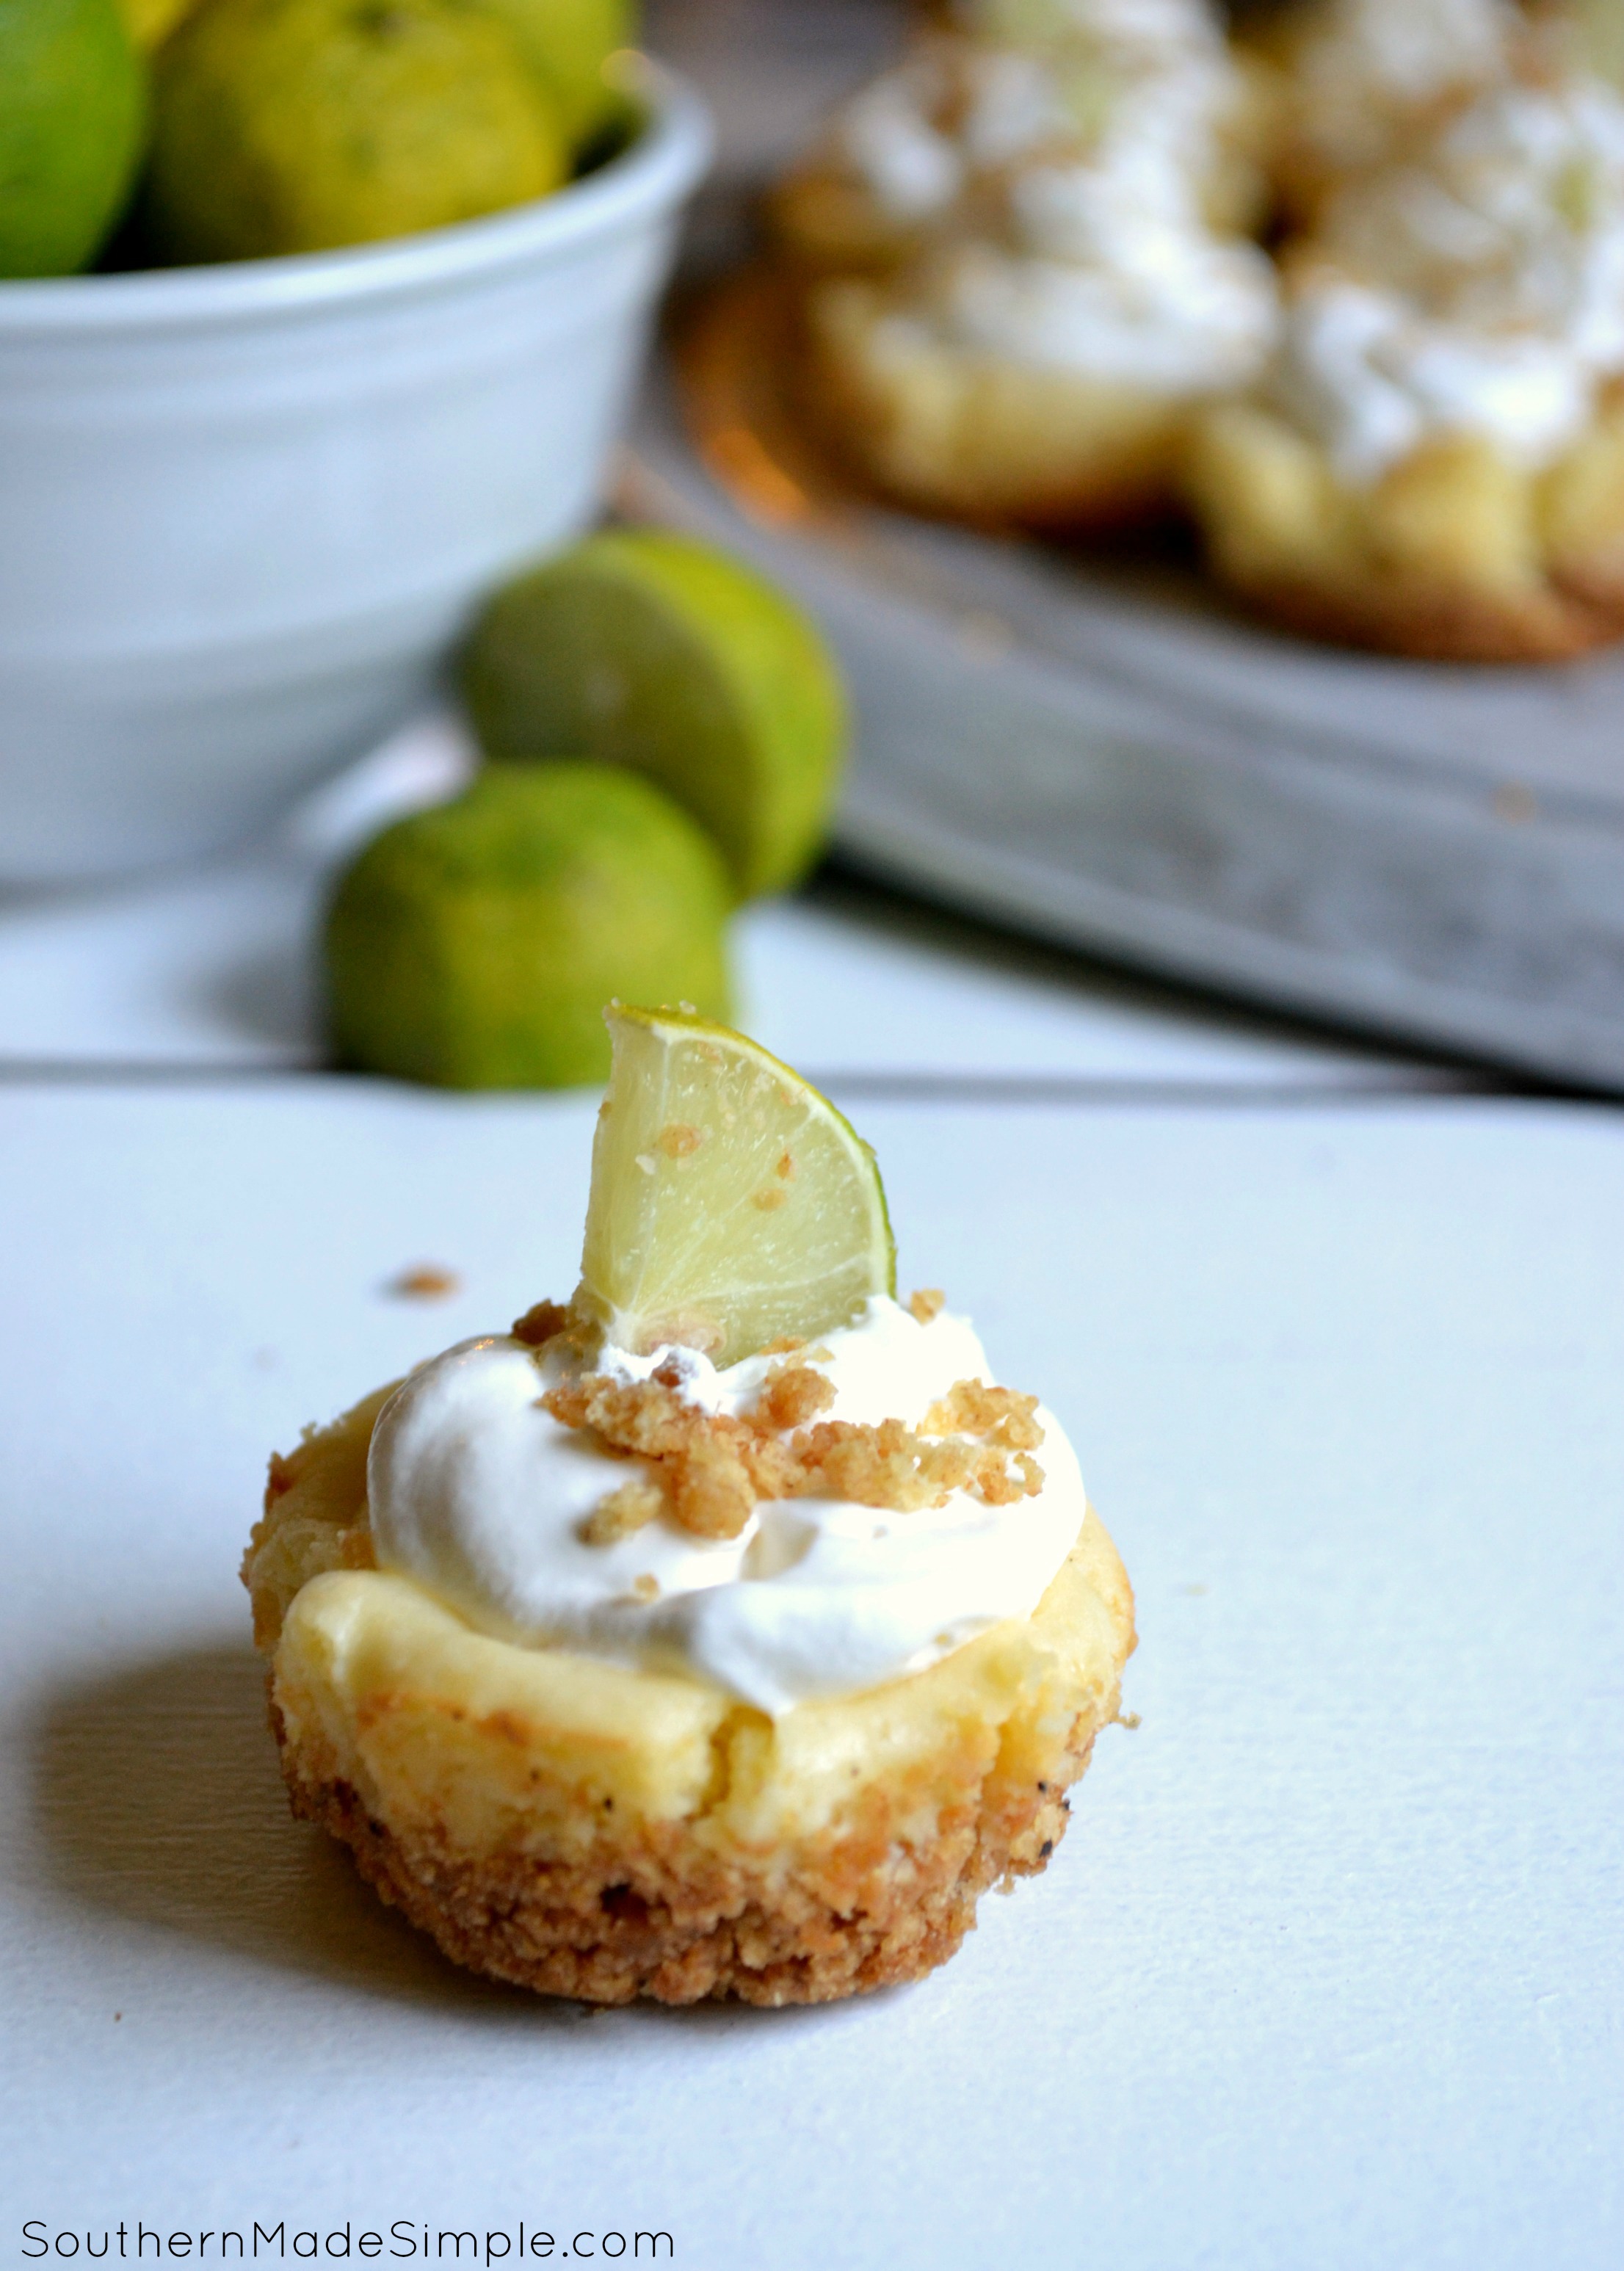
[(659, 167)]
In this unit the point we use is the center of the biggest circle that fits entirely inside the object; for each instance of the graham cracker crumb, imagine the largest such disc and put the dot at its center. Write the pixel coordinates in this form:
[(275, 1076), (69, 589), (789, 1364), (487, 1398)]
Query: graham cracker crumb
[(622, 1512), (768, 1200), (678, 1139), (540, 1324), (793, 1394), (998, 1415), (715, 1467), (427, 1282), (927, 1305), (646, 1587)]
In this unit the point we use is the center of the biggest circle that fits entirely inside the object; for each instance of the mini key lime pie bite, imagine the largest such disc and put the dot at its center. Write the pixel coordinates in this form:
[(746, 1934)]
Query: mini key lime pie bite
[(1433, 462), (726, 1633), (1026, 263)]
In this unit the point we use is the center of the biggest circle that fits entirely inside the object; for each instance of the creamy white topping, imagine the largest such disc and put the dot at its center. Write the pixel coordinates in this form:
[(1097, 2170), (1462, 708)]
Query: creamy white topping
[(479, 1494), (1366, 69), (1089, 248), (1063, 180), (1183, 315), (1476, 289), (917, 136), (1133, 27)]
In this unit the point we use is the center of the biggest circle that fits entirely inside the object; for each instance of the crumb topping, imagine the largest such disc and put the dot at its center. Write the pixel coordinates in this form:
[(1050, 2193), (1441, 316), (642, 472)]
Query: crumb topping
[(542, 1323), (927, 1305), (621, 1513), (427, 1282), (710, 1469)]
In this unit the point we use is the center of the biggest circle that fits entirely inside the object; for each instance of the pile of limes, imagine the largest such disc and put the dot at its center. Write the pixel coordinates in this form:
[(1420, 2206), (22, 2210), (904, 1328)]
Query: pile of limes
[(235, 130), (663, 735)]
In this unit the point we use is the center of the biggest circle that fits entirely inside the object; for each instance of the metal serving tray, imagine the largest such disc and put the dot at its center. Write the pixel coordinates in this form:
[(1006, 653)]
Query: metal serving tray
[(1099, 752)]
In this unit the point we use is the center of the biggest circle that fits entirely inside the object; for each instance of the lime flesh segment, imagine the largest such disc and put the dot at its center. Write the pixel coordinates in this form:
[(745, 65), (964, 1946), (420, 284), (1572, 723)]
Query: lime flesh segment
[(646, 649), (732, 1205)]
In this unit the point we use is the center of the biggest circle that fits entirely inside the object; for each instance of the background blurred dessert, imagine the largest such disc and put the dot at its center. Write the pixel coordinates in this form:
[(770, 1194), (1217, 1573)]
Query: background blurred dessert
[(1434, 461), (1023, 260), (1344, 280), (1357, 78)]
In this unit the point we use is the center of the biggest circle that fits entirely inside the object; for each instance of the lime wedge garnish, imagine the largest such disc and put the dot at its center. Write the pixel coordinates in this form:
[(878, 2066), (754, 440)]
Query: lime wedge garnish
[(732, 1205)]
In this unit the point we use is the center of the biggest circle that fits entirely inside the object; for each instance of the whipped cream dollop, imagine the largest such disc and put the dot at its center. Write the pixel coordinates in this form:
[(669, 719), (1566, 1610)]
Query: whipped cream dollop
[(1366, 70), (1477, 288), (1171, 312), (1065, 180), (480, 1495)]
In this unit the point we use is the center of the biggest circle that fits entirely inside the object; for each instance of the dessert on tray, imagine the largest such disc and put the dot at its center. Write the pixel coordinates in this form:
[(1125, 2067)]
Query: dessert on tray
[(727, 1632), (1360, 77), (1023, 263), (1026, 300), (1433, 461)]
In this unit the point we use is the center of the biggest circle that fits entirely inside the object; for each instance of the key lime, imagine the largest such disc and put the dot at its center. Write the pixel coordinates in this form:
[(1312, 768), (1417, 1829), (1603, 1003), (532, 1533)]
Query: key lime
[(645, 649), (297, 125), (568, 43), (151, 21), (475, 945), (732, 1205), (72, 109)]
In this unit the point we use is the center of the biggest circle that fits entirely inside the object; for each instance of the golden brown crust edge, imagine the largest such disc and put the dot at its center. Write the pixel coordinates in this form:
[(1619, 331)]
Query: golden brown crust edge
[(665, 1918), (1427, 622), (1454, 555), (974, 437)]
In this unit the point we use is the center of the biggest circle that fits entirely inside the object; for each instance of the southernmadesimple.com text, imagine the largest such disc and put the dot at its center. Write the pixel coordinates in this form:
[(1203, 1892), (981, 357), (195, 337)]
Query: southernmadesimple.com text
[(403, 2242)]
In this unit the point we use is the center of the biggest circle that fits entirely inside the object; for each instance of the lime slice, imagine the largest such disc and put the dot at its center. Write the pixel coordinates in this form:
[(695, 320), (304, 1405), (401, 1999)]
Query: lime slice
[(645, 649), (732, 1205)]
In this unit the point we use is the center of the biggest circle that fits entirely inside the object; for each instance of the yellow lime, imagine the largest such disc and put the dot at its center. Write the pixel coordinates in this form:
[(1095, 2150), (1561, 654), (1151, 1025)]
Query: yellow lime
[(152, 20), (475, 945), (645, 649), (568, 43), (296, 126), (732, 1205), (72, 109)]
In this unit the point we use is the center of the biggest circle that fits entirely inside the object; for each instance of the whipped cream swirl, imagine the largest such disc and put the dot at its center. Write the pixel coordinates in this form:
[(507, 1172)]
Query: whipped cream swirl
[(1366, 70), (480, 1495), (1479, 288), (1060, 185)]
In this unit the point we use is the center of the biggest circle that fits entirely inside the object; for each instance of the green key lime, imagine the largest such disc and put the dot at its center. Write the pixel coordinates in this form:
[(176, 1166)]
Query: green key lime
[(475, 945), (151, 21), (72, 110), (731, 1205), (645, 649), (568, 43), (298, 125)]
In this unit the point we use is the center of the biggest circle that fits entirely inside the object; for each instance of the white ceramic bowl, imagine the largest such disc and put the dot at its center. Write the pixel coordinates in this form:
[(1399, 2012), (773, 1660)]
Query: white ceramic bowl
[(245, 509)]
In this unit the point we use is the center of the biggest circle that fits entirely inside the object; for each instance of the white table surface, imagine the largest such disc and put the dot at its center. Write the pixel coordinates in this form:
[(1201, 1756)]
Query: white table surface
[(215, 972), (1327, 1972)]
